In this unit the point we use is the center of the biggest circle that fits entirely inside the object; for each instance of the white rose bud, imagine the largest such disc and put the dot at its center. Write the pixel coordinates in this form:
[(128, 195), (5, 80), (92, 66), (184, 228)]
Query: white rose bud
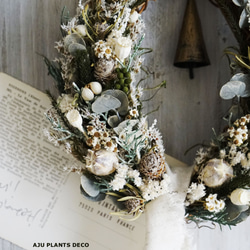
[(240, 196), (123, 47), (75, 119), (101, 162), (95, 87), (81, 29), (87, 94), (216, 172)]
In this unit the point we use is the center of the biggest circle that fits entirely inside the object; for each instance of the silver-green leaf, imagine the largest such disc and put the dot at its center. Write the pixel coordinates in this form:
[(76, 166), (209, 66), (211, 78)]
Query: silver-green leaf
[(89, 186), (122, 97), (104, 103), (232, 89), (239, 85)]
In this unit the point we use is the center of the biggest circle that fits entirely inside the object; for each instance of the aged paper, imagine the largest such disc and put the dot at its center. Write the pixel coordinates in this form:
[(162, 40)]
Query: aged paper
[(40, 204)]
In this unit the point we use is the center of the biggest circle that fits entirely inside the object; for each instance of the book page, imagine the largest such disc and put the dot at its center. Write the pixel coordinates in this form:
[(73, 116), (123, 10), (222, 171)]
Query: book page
[(40, 204)]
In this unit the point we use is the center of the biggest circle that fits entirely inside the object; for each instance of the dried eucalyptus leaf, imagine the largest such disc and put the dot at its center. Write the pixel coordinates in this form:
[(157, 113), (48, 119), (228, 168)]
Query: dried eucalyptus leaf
[(243, 21), (73, 38), (99, 197), (232, 89), (122, 97), (75, 47), (104, 103), (245, 78), (243, 216), (239, 2), (113, 121), (89, 186), (234, 211)]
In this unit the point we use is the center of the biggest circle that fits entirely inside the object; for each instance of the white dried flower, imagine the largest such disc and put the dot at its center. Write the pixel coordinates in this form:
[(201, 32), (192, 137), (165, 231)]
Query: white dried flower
[(134, 113), (240, 196), (70, 25), (65, 102), (240, 134), (75, 119), (120, 178), (195, 192), (101, 162), (216, 172), (213, 204), (152, 189), (135, 174), (237, 159), (123, 47), (222, 153), (112, 37), (245, 161)]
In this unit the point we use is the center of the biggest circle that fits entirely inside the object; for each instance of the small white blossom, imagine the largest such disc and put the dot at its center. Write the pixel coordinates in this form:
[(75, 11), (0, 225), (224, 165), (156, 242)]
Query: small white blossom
[(120, 178), (134, 113), (135, 174), (213, 204), (118, 183), (200, 155), (154, 188), (195, 192), (238, 158), (245, 161), (70, 25), (232, 151), (222, 153)]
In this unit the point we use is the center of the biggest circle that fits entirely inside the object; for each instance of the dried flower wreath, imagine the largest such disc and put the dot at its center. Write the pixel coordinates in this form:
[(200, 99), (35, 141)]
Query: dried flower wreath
[(219, 190), (98, 115)]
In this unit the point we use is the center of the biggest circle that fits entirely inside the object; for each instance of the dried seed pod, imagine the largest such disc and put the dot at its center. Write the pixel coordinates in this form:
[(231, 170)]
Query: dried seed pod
[(96, 87), (87, 94), (216, 172), (152, 165), (104, 69), (101, 162)]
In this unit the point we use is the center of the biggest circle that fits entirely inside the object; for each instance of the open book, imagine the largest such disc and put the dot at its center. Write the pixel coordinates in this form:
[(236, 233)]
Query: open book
[(40, 204)]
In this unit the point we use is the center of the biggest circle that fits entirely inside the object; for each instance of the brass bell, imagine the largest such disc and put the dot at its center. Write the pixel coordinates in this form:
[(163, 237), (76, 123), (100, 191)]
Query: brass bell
[(191, 51)]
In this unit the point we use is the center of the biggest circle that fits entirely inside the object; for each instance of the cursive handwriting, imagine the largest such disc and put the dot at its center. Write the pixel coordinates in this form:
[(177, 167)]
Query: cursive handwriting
[(6, 187), (24, 212)]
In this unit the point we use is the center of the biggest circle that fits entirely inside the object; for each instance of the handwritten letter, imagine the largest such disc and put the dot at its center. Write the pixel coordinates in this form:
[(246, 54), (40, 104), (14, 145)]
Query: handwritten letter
[(40, 204)]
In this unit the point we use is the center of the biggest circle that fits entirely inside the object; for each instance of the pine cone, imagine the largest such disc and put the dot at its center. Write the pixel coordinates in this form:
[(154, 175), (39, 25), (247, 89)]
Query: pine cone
[(152, 165), (104, 69)]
